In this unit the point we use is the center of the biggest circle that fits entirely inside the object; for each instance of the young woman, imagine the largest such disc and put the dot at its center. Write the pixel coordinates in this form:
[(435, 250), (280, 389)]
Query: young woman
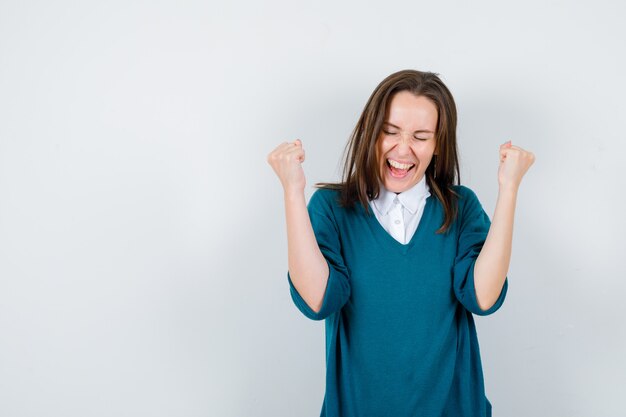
[(399, 256)]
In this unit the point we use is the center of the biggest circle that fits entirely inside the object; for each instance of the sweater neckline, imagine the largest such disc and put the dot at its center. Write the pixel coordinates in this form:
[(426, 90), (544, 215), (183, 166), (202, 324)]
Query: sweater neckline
[(383, 235)]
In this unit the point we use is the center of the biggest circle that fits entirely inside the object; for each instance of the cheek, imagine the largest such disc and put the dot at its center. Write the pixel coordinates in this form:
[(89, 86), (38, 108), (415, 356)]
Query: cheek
[(424, 152), (381, 149), (383, 146)]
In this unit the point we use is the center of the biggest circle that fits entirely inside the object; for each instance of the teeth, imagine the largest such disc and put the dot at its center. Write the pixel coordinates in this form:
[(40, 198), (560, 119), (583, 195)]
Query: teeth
[(399, 165)]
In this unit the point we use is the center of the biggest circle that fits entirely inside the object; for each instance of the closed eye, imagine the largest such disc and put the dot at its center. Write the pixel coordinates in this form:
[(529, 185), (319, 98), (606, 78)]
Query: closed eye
[(395, 133)]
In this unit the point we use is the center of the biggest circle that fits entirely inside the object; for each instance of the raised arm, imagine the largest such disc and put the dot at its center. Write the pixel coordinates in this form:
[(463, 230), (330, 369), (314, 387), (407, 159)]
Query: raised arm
[(308, 268), (492, 264)]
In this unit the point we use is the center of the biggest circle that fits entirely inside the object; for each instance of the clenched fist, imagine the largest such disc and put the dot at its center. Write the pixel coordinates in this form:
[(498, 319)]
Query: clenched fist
[(286, 160), (514, 162)]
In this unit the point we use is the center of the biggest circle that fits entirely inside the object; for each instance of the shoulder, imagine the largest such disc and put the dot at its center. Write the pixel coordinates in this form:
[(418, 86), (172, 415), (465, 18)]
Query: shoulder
[(324, 200), (464, 192), (468, 200)]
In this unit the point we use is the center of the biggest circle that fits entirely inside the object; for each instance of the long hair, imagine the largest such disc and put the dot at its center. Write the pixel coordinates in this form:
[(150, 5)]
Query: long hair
[(361, 174)]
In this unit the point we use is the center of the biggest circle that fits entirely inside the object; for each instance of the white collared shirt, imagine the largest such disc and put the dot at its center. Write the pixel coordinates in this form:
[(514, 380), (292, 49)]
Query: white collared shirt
[(401, 224)]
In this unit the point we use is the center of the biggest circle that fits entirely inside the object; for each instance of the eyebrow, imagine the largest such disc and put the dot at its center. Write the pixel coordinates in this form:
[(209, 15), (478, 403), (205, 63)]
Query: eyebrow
[(417, 131)]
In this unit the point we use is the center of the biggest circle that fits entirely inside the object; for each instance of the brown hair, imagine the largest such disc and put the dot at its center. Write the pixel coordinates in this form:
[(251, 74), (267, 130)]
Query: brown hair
[(361, 174)]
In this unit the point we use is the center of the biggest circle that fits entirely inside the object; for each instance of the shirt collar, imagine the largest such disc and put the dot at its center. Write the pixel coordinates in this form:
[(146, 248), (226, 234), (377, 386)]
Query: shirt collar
[(410, 198)]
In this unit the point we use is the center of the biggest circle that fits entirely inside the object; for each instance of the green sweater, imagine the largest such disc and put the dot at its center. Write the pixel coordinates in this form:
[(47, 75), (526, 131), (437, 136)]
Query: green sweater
[(400, 335)]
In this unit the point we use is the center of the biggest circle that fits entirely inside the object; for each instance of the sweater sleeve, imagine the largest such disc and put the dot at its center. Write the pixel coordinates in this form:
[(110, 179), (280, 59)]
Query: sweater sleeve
[(473, 229), (338, 285)]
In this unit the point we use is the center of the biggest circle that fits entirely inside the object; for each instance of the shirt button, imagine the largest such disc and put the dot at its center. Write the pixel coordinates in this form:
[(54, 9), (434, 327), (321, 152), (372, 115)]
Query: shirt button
[(397, 221)]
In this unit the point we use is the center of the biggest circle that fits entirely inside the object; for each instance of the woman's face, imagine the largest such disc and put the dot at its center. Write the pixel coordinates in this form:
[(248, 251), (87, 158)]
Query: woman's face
[(408, 138)]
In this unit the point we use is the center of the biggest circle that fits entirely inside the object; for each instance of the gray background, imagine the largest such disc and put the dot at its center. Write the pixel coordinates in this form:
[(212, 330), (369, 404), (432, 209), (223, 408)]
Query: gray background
[(143, 251)]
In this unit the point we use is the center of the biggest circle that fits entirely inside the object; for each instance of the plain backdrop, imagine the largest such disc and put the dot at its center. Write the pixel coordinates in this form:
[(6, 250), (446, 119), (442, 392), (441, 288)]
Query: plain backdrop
[(143, 253)]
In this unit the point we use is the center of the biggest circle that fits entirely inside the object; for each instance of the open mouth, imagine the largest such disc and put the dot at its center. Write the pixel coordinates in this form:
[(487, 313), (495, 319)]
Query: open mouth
[(398, 170)]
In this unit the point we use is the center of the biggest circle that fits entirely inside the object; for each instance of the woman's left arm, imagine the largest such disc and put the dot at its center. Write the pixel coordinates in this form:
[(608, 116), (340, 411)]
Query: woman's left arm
[(492, 263)]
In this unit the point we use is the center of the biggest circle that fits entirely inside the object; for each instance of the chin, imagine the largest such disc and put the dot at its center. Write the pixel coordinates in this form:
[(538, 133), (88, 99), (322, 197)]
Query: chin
[(395, 188), (396, 185), (399, 186)]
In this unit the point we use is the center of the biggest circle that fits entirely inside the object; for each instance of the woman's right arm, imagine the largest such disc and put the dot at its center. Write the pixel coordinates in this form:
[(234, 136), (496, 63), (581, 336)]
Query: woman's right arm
[(308, 268)]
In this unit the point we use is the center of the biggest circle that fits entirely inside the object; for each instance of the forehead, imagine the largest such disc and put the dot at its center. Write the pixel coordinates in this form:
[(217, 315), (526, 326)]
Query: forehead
[(408, 111)]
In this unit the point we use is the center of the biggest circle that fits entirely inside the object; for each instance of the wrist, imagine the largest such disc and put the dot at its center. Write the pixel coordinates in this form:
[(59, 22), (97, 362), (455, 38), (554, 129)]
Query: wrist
[(508, 189), (293, 194)]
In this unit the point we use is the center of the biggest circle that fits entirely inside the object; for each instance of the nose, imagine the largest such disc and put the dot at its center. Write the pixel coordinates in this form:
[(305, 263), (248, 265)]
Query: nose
[(404, 142)]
